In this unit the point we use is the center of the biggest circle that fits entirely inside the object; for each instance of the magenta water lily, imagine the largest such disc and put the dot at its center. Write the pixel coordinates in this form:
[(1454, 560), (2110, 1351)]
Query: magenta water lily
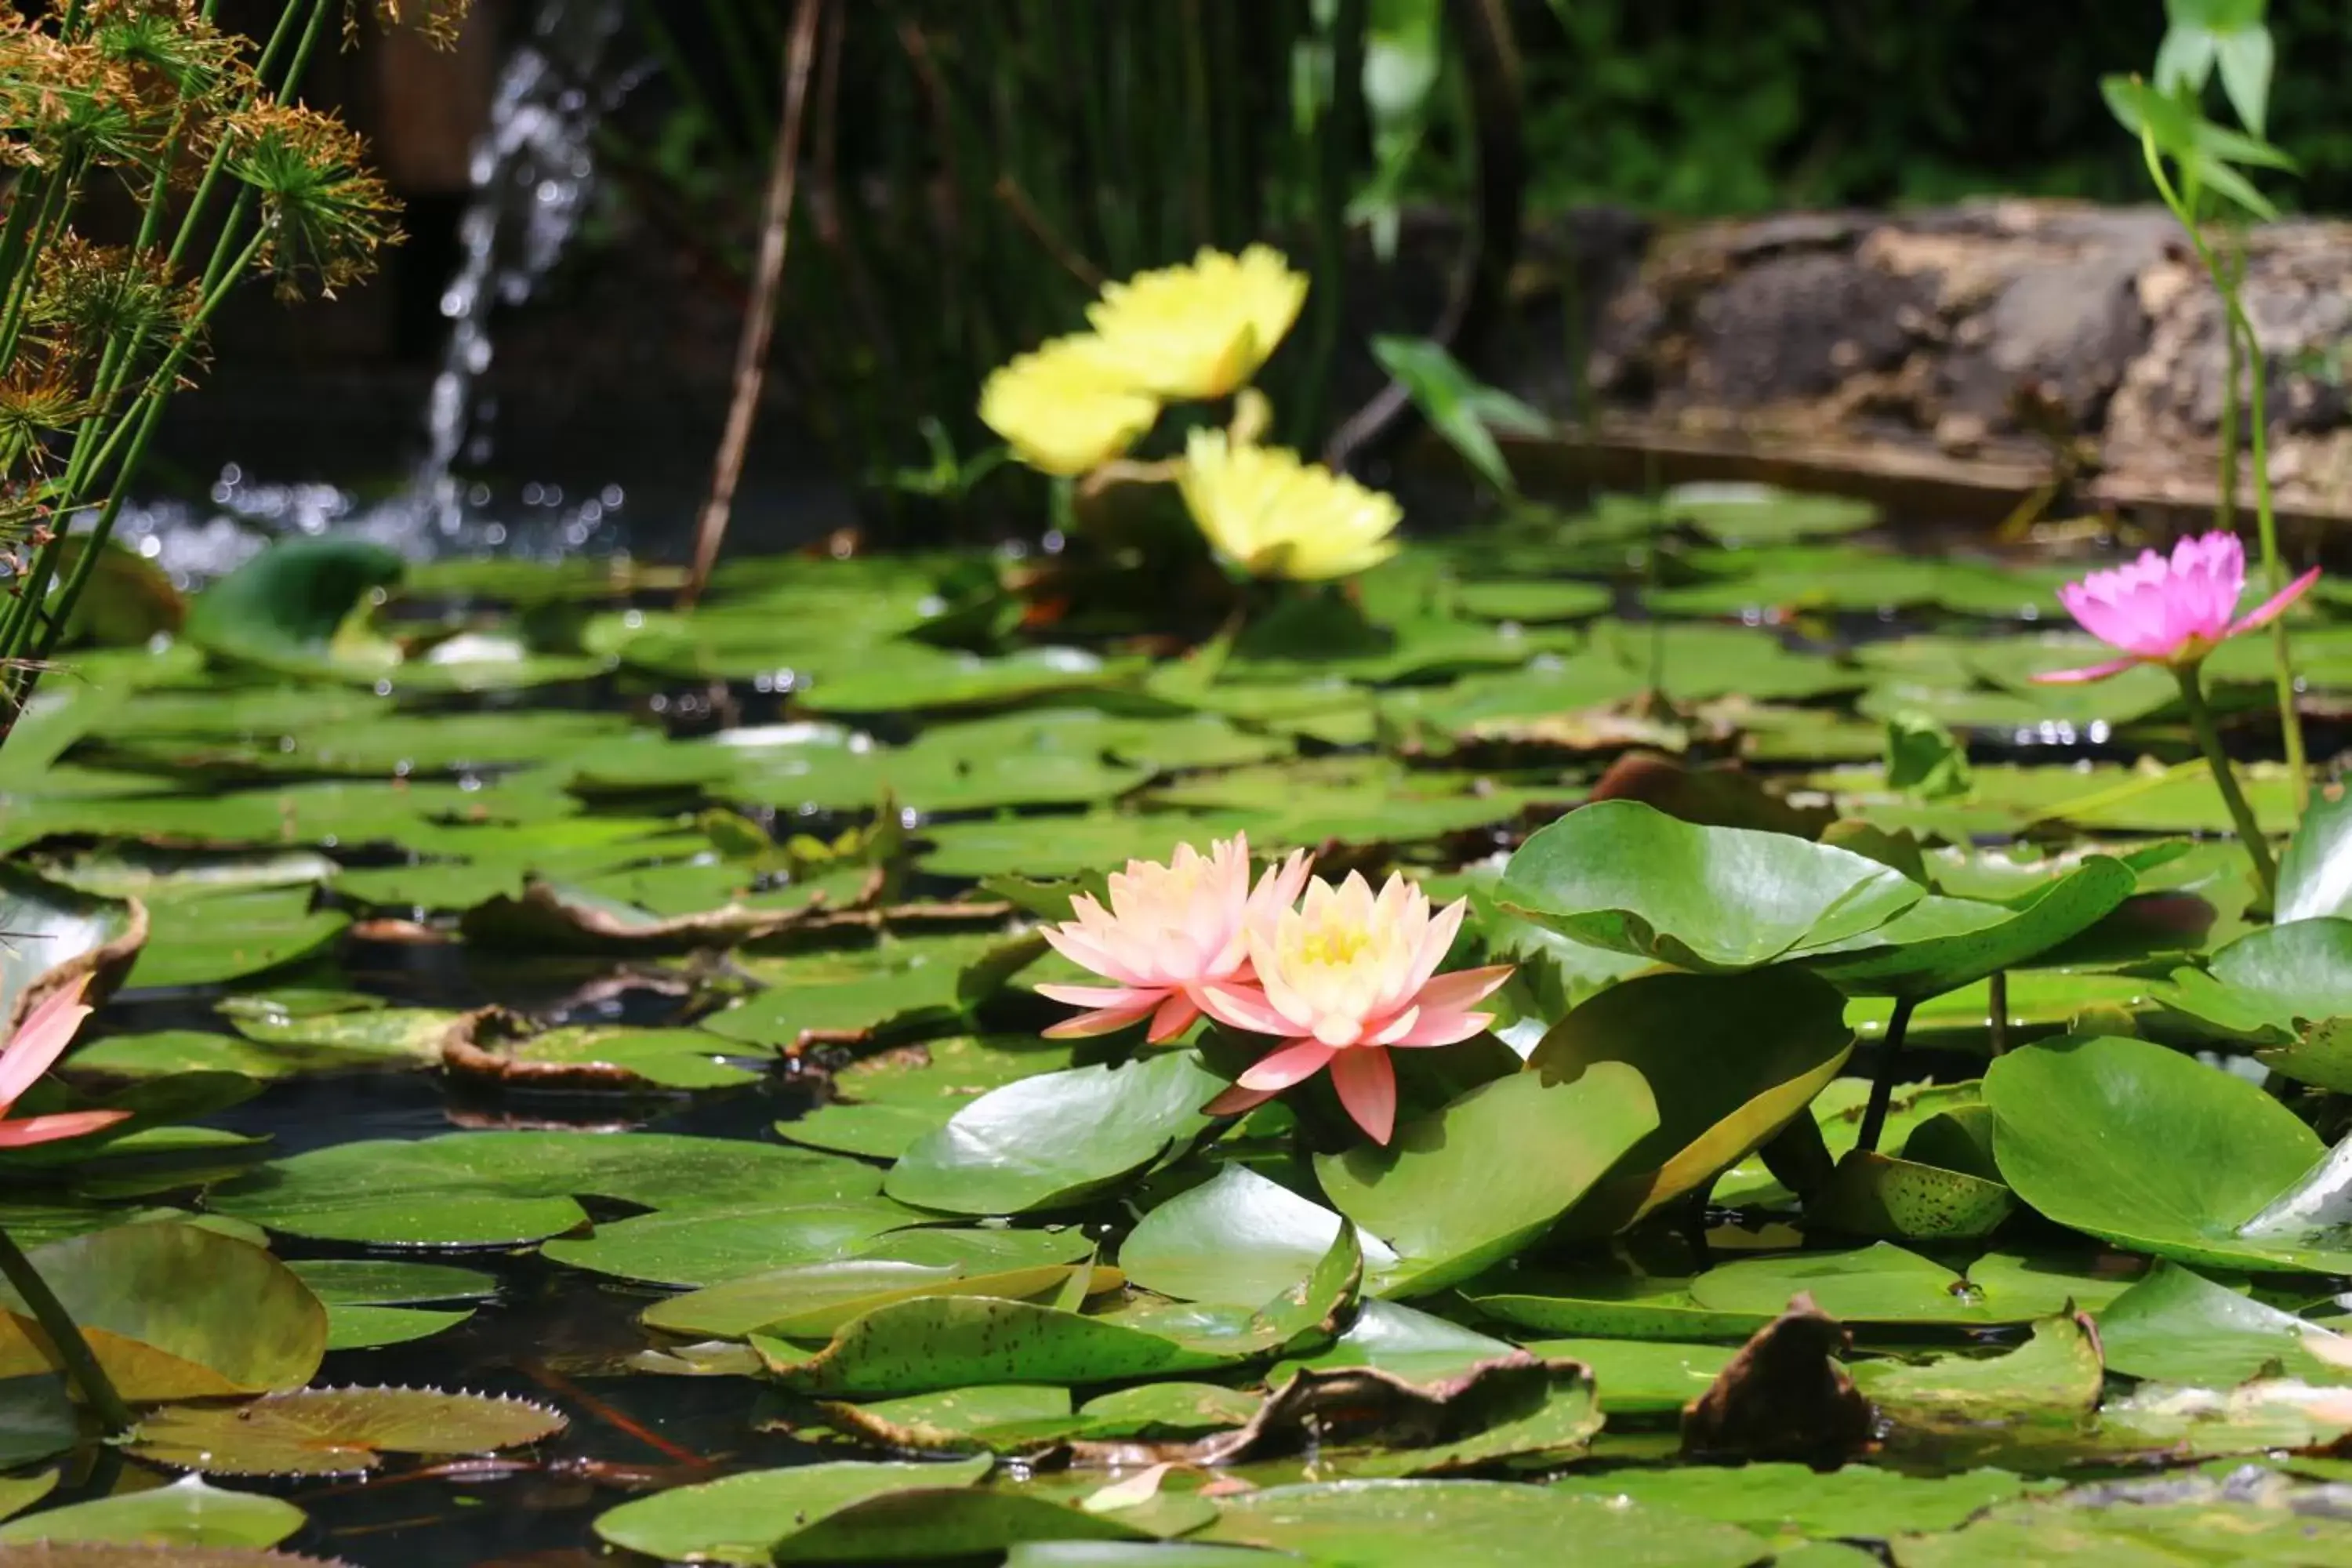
[(2175, 612), (2170, 611)]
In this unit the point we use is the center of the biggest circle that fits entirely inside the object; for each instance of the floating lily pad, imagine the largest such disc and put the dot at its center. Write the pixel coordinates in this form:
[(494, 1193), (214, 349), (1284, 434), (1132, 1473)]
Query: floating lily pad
[(2148, 1148), (1616, 1302), (1237, 1238), (174, 1312), (812, 1301), (506, 1188), (2055, 1375), (1640, 1378), (2177, 1326), (338, 1431), (1455, 1192), (210, 939), (57, 935), (280, 610), (858, 993), (1940, 944), (702, 1246), (1622, 875), (1886, 1284), (1111, 1122), (189, 1513), (1796, 1501), (741, 1519), (1729, 1060), (2267, 984), (1484, 1524)]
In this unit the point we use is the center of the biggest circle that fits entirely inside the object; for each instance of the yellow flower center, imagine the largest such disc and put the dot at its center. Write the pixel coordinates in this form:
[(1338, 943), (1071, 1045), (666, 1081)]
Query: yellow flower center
[(1332, 945)]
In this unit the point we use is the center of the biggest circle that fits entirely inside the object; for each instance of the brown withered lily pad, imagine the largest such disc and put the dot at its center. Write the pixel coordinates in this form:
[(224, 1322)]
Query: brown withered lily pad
[(1784, 1397)]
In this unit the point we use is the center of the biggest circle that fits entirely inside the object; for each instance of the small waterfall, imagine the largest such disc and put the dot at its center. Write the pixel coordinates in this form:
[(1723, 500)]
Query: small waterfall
[(533, 170)]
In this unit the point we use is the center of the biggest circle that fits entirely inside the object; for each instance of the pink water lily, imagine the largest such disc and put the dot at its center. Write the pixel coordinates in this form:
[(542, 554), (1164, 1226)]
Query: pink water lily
[(1344, 980), (1171, 932), (38, 1042), (2170, 612)]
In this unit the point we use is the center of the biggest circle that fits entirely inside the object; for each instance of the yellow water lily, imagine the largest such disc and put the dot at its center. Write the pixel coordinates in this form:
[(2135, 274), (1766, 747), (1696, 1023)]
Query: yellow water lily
[(1067, 407), (1200, 331), (1275, 516)]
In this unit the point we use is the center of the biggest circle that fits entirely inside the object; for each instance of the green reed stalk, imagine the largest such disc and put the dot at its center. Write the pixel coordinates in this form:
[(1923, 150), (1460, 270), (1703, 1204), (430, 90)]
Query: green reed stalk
[(81, 1363), (2208, 740), (2241, 331)]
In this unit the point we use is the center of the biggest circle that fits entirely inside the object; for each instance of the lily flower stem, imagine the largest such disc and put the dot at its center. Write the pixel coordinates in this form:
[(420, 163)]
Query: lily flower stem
[(81, 1362), (2208, 740), (1882, 1088)]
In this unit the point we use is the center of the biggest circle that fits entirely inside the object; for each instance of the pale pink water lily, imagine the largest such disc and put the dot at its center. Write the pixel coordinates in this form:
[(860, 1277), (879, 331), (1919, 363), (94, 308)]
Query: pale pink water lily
[(1171, 932), (38, 1042), (2170, 612), (1344, 980)]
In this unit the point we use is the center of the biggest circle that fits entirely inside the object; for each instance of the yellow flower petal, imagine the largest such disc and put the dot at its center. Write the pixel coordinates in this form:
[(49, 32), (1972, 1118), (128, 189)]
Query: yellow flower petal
[(1275, 516), (1200, 331), (1066, 408)]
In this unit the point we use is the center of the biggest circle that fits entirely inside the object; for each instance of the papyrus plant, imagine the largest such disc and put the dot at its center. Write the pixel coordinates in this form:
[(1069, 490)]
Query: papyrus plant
[(230, 177)]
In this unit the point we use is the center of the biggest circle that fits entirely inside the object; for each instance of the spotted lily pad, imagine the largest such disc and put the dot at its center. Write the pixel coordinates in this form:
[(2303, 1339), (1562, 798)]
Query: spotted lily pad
[(338, 1431)]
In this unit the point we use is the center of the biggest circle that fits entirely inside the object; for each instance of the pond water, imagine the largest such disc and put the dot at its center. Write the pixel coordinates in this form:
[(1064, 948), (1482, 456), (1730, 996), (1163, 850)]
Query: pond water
[(519, 923)]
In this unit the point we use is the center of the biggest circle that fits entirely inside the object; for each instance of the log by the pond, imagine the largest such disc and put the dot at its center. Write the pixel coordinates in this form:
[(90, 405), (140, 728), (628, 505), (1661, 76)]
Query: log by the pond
[(1956, 363)]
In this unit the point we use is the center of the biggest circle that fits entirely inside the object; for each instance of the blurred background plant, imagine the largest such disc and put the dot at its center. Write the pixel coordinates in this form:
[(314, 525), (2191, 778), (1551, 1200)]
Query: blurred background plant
[(154, 162)]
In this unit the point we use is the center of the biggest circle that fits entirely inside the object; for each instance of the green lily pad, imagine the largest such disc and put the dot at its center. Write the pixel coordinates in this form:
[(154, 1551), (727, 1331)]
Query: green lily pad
[(1622, 875), (2315, 874), (1940, 944), (1611, 1303), (1236, 1239), (2145, 1147), (1484, 1524), (741, 1519), (187, 1514), (895, 987), (702, 1246), (1111, 1122), (2177, 1326), (1640, 1378), (2269, 983), (174, 1312), (1796, 1501), (1884, 1283), (2055, 1375), (1729, 1059), (57, 933), (1412, 1344), (338, 1431), (212, 938), (812, 1301), (281, 609), (1455, 1192), (484, 1189), (1895, 1199)]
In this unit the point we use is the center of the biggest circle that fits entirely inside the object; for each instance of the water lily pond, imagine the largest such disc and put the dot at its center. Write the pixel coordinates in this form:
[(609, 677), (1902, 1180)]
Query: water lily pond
[(588, 1080)]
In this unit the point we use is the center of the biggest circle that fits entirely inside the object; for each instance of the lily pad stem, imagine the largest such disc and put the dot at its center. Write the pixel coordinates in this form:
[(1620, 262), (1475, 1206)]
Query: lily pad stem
[(2208, 740), (81, 1362), (1882, 1089)]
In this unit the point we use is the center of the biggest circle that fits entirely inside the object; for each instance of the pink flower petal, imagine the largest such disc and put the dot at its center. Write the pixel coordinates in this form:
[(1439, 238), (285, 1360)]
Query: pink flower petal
[(1463, 987), (34, 1130), (1442, 1028), (1175, 1015), (1241, 1007), (2273, 608), (1294, 1063), (1109, 1021), (1237, 1099), (2090, 672), (40, 1040), (1367, 1087), (1100, 996)]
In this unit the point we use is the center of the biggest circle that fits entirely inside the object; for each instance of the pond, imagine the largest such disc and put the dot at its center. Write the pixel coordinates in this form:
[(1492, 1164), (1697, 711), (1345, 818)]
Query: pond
[(592, 1076)]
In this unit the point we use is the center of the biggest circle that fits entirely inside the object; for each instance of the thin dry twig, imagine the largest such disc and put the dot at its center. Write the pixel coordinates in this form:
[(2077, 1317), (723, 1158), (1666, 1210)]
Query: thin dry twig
[(760, 320)]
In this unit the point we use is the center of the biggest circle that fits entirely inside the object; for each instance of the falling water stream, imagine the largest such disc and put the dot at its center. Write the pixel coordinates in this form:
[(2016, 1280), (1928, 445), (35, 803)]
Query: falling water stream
[(533, 170)]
